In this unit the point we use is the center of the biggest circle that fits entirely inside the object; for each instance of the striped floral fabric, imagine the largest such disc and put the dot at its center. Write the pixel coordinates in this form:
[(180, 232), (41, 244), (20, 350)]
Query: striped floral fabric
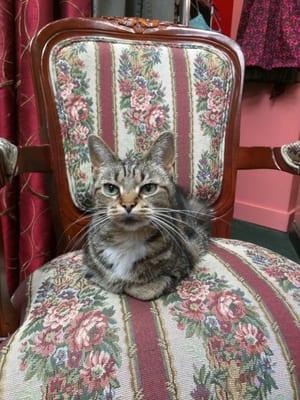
[(230, 331), (129, 93)]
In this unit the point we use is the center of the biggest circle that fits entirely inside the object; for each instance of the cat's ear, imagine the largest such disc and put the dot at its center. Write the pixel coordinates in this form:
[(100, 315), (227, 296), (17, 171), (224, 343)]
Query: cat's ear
[(100, 153), (163, 151)]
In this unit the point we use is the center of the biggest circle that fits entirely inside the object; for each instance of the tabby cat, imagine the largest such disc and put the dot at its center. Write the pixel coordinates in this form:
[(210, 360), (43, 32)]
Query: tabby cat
[(144, 235)]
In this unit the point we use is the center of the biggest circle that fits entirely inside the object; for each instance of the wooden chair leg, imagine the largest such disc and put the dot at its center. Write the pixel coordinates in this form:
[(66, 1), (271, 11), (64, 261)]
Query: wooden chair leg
[(9, 318), (221, 226)]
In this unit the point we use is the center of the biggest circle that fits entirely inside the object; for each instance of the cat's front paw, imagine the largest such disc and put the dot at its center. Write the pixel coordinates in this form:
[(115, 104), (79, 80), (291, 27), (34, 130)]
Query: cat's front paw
[(148, 291)]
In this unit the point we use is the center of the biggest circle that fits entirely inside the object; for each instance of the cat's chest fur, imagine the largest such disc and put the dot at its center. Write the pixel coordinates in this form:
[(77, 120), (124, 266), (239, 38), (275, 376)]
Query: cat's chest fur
[(121, 256)]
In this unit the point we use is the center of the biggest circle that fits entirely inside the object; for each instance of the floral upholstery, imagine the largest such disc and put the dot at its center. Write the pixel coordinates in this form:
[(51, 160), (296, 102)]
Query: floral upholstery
[(129, 92), (230, 331)]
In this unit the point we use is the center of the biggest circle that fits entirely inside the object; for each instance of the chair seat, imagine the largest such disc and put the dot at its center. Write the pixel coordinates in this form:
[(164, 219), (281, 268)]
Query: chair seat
[(230, 331)]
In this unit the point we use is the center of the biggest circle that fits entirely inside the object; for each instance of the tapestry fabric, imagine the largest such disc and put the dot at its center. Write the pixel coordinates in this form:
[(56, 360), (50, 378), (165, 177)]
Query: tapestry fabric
[(230, 331), (129, 93)]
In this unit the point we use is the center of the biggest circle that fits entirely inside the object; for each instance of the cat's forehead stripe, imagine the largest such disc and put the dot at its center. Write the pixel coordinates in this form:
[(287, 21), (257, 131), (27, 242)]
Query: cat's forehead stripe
[(132, 168)]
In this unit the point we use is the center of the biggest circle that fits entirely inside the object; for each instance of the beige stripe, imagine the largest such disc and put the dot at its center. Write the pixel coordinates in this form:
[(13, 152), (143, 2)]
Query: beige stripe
[(132, 352), (170, 371), (269, 318), (97, 91), (174, 109), (192, 132), (114, 97)]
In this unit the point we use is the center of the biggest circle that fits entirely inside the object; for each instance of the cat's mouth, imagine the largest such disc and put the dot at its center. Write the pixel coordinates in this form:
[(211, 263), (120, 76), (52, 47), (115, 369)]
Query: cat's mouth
[(131, 221)]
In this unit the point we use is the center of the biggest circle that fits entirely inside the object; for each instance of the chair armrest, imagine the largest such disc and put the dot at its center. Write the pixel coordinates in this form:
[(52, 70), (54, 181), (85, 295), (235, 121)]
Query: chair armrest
[(285, 158), (16, 160)]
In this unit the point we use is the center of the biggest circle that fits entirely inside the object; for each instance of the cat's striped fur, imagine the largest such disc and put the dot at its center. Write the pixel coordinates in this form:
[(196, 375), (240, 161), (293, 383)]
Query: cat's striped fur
[(145, 235)]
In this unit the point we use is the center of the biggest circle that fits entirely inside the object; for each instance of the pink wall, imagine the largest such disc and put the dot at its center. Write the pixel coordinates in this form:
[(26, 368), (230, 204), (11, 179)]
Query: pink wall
[(267, 198)]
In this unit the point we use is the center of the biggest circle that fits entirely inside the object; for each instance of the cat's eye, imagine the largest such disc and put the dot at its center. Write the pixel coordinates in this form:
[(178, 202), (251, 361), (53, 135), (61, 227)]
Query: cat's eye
[(110, 189), (149, 188)]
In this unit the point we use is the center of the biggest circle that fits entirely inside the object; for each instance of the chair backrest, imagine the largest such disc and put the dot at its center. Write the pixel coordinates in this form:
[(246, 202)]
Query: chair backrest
[(129, 80)]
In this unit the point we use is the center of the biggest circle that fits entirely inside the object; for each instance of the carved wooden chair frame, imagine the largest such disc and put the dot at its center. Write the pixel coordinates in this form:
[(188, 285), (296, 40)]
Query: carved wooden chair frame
[(49, 158)]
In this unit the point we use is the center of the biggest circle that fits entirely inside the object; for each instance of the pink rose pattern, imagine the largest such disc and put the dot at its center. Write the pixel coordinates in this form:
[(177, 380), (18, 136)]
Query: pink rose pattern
[(71, 340), (212, 85), (235, 338), (73, 103), (144, 107), (284, 271)]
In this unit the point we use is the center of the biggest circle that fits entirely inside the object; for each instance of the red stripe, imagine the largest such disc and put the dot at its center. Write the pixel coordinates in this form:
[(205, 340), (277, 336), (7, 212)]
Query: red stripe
[(182, 116), (275, 305), (106, 94), (150, 362)]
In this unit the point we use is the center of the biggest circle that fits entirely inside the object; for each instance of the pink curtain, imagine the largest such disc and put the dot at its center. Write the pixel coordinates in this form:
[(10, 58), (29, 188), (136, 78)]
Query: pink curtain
[(26, 226)]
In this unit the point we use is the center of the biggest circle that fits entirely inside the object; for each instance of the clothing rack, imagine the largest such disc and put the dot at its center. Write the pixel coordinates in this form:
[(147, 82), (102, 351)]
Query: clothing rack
[(185, 11)]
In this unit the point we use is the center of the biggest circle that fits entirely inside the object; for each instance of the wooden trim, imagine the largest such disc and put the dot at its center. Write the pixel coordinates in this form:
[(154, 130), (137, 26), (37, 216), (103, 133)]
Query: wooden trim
[(29, 159), (262, 158), (34, 159)]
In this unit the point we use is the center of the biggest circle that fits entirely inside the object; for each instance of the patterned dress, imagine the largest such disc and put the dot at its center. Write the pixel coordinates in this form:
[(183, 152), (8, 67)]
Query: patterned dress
[(269, 34)]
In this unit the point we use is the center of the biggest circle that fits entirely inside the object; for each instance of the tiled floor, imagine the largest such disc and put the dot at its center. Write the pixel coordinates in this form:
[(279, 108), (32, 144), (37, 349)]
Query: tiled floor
[(269, 238)]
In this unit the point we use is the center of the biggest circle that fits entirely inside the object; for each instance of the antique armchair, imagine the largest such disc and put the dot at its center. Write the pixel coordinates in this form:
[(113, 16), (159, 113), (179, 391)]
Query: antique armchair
[(230, 331)]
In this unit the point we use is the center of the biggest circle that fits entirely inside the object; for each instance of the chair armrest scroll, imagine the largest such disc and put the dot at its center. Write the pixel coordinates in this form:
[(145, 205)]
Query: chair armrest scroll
[(16, 160), (291, 155), (285, 158), (8, 161)]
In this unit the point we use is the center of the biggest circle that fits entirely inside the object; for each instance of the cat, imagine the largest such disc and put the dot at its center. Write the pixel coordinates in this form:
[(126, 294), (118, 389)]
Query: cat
[(145, 235)]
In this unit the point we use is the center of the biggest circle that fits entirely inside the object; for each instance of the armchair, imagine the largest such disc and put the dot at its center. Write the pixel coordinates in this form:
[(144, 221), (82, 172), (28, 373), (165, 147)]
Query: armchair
[(230, 331)]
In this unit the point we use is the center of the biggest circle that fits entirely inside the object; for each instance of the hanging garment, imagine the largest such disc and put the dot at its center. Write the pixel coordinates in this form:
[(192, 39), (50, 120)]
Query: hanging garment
[(157, 9), (269, 33), (198, 21)]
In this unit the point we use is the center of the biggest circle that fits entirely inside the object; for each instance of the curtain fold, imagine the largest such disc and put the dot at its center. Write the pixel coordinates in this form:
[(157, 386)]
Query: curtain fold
[(27, 230), (8, 127)]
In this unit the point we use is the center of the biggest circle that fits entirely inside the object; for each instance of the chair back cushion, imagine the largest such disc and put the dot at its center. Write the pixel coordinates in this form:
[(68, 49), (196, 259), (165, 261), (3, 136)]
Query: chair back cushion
[(129, 92)]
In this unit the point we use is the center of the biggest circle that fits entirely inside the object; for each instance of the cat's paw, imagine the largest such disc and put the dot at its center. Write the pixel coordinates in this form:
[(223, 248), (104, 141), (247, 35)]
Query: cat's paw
[(149, 291)]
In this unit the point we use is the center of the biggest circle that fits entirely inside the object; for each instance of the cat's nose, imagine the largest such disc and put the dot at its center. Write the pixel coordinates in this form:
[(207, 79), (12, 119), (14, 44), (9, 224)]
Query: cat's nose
[(128, 207)]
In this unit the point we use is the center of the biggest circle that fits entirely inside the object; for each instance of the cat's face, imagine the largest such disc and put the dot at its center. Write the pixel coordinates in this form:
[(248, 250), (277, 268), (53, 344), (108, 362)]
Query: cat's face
[(128, 192)]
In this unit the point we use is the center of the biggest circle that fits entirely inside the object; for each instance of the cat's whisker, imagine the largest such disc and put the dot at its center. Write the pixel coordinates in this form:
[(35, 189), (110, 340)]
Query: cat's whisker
[(79, 219), (158, 223), (83, 239), (187, 212), (76, 239), (99, 223), (99, 213), (157, 227), (166, 216), (167, 219), (170, 226)]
